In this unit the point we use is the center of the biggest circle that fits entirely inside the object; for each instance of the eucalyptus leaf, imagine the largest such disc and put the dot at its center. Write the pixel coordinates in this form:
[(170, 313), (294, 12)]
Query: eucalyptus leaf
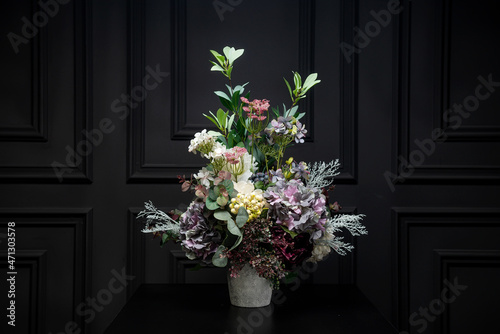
[(222, 215), (242, 217), (212, 195), (228, 184), (211, 204), (217, 260), (232, 228), (222, 201)]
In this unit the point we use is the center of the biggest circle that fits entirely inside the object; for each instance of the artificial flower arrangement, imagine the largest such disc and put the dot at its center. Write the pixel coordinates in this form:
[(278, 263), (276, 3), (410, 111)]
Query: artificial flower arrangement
[(251, 206)]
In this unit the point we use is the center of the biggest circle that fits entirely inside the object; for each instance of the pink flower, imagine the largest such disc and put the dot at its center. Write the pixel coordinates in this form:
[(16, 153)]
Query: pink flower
[(233, 155), (256, 108)]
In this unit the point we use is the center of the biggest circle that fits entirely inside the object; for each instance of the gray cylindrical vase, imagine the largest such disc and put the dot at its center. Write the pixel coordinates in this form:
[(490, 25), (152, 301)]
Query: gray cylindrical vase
[(249, 289)]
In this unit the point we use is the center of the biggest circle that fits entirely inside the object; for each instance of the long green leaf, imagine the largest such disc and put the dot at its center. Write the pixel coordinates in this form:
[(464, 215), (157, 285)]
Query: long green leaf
[(223, 95), (221, 118), (230, 123), (227, 104), (216, 68), (310, 80), (300, 116), (237, 242), (211, 119), (289, 88)]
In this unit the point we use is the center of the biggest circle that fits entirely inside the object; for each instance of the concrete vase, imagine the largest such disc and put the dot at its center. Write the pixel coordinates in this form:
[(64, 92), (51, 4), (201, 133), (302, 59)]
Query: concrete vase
[(249, 289)]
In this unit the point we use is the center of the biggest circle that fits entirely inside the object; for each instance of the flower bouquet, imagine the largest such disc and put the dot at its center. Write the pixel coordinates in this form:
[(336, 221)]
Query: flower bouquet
[(252, 209)]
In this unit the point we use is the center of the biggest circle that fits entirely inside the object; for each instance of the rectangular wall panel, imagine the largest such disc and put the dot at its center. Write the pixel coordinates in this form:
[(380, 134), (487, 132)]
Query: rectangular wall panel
[(419, 235), (47, 83), (53, 258), (163, 122), (446, 109)]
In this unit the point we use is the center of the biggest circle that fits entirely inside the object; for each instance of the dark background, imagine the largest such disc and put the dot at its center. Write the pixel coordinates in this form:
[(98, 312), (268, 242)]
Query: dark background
[(439, 221)]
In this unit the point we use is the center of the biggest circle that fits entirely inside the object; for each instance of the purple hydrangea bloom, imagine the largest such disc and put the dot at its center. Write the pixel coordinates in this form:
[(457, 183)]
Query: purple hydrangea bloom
[(300, 170), (301, 132), (198, 237), (298, 207)]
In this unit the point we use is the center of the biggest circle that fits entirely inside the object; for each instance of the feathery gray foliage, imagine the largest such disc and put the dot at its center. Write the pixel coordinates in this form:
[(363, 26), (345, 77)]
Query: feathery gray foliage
[(352, 223), (322, 173), (157, 220)]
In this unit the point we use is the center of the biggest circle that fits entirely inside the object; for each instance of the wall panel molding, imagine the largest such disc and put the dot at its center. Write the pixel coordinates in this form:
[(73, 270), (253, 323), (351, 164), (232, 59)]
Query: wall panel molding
[(36, 130), (443, 173), (447, 259), (405, 220), (78, 173), (348, 96), (136, 252), (35, 262), (465, 133), (140, 171), (79, 220)]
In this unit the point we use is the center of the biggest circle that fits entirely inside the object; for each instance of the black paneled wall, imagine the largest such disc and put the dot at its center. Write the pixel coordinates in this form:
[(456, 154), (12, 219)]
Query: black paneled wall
[(101, 98)]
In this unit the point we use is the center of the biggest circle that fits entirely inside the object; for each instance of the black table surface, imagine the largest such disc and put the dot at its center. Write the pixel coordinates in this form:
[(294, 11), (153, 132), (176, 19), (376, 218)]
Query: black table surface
[(205, 308)]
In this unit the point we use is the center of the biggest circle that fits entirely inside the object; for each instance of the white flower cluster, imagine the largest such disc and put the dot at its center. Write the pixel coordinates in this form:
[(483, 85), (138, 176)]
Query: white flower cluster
[(204, 177), (321, 247), (205, 143)]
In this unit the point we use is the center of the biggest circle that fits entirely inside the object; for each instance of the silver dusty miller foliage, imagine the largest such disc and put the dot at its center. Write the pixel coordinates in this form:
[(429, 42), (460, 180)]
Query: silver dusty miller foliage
[(157, 220), (352, 223), (321, 173)]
